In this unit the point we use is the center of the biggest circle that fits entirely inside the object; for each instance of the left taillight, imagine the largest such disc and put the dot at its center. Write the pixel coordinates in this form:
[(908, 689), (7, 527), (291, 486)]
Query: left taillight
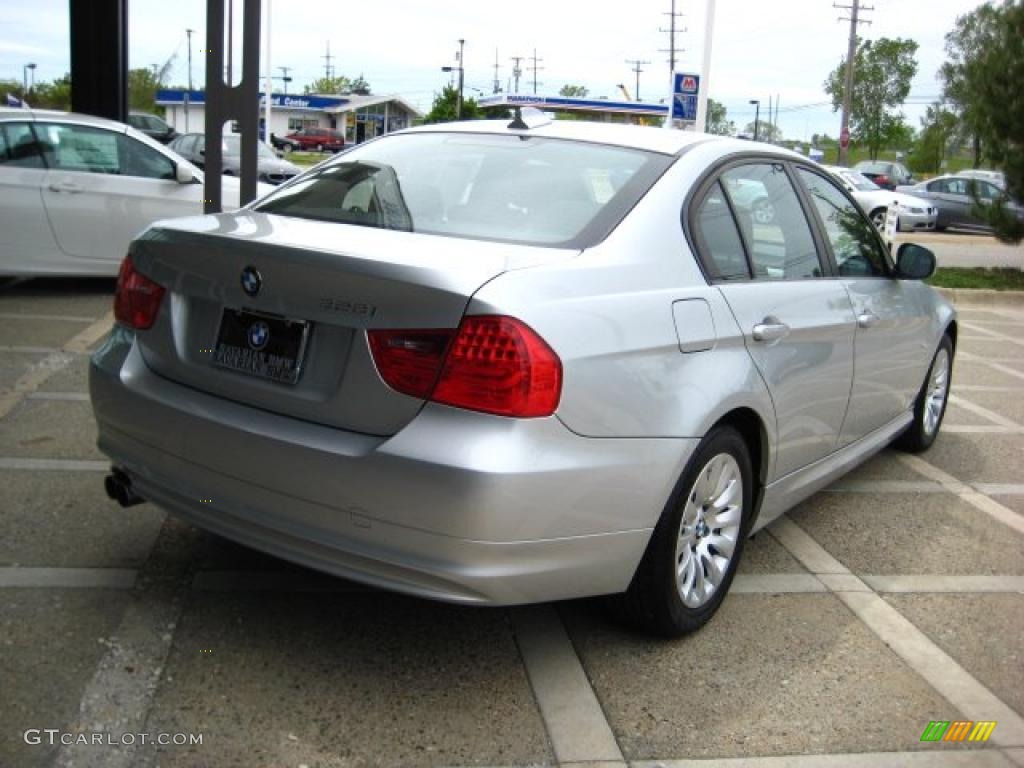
[(137, 299)]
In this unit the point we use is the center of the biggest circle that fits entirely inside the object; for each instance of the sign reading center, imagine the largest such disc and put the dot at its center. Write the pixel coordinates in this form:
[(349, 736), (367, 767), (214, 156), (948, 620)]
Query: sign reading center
[(685, 86)]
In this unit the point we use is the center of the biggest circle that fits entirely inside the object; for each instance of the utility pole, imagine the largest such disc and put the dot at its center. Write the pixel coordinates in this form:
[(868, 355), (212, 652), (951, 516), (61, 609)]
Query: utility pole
[(637, 63), (705, 71), (188, 95), (284, 77), (517, 71), (328, 69), (672, 32), (497, 80), (851, 53), (462, 77), (534, 69)]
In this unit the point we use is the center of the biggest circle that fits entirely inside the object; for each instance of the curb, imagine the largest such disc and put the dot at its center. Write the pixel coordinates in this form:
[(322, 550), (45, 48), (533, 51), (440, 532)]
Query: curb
[(977, 297)]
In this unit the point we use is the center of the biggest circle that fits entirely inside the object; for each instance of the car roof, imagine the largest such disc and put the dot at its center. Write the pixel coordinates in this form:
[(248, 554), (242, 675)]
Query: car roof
[(619, 134), (31, 114)]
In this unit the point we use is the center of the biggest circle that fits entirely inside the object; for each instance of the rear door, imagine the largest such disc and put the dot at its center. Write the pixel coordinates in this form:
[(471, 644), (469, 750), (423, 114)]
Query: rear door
[(104, 187), (26, 240), (892, 326), (798, 325)]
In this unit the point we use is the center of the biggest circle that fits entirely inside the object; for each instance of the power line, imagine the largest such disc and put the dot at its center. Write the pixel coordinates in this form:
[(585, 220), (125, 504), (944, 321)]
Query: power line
[(534, 69), (851, 52), (328, 69), (637, 63), (517, 71), (672, 32)]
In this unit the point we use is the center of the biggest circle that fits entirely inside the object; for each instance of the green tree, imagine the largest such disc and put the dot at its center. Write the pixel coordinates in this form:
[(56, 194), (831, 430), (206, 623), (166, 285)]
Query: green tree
[(717, 120), (52, 95), (765, 131), (360, 86), (142, 87), (939, 127), (883, 70), (573, 91), (444, 107), (984, 77), (339, 84)]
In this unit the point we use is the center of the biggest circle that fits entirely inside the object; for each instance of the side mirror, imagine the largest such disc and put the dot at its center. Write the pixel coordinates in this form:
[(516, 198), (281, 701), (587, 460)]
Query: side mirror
[(182, 173), (914, 262)]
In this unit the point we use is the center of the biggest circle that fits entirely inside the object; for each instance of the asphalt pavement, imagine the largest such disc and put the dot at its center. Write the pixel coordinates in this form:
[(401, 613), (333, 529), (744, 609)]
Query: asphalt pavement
[(891, 600), (962, 249)]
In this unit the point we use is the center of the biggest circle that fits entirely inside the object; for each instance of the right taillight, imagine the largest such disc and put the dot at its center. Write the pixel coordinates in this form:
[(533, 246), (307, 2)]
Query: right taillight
[(492, 363), (137, 299)]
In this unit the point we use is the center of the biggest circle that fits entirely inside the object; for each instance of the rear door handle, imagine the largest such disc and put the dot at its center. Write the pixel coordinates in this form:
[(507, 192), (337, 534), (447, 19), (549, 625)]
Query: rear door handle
[(770, 329), (866, 319), (66, 186)]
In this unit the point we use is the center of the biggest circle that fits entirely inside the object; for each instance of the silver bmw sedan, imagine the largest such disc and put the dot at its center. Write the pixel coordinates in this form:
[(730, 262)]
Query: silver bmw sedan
[(500, 363)]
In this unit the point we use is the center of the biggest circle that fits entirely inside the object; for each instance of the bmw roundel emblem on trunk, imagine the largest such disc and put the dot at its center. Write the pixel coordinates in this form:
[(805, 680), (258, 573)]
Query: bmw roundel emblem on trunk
[(259, 335), (251, 280)]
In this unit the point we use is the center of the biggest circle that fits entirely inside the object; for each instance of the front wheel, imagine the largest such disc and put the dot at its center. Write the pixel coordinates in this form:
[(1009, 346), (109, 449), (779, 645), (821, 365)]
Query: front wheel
[(930, 406), (695, 548)]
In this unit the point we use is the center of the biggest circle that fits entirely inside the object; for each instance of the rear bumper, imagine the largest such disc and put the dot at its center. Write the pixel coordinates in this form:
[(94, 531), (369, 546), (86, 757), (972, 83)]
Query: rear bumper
[(457, 506)]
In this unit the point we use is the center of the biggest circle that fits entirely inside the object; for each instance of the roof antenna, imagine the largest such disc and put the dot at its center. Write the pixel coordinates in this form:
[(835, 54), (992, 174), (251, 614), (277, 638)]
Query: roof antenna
[(517, 122)]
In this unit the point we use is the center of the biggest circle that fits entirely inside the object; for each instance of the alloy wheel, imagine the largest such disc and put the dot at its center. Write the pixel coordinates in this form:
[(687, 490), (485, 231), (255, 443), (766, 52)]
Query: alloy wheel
[(709, 530), (936, 392)]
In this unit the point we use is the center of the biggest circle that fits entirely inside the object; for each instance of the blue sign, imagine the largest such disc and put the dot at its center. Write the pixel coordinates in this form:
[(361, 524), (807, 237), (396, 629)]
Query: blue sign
[(685, 87), (171, 96)]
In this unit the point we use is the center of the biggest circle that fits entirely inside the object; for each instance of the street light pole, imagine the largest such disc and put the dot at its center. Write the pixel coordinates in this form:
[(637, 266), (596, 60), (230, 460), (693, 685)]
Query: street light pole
[(757, 115)]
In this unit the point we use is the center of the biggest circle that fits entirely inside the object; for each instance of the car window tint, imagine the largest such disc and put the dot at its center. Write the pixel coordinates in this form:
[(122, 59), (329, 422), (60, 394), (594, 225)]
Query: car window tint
[(18, 147), (510, 188), (145, 162), (719, 240), (854, 244), (987, 191), (937, 186), (772, 222), (80, 148), (955, 187)]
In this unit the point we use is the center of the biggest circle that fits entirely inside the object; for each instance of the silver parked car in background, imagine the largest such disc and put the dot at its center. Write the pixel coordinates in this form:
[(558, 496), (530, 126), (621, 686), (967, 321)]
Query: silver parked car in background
[(912, 213), (954, 196), (270, 168), (497, 363)]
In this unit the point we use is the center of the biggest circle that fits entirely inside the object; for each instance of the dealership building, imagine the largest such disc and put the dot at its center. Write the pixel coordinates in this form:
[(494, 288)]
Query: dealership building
[(603, 110), (358, 117)]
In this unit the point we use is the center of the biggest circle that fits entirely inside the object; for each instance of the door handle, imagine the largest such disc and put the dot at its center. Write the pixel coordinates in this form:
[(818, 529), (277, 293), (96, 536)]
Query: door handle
[(66, 186), (866, 319), (770, 329)]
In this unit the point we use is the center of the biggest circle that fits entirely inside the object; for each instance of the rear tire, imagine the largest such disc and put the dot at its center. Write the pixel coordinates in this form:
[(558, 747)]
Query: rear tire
[(930, 406), (695, 548)]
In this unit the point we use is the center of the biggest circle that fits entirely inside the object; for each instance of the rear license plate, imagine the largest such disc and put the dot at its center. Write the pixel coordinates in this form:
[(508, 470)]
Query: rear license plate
[(267, 346)]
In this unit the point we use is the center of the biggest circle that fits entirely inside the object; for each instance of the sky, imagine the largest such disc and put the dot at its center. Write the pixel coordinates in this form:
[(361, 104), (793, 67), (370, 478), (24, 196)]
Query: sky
[(761, 50)]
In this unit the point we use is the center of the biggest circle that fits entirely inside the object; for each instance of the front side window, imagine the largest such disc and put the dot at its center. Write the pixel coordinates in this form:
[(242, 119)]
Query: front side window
[(772, 222), (512, 188), (852, 237), (18, 147), (96, 150)]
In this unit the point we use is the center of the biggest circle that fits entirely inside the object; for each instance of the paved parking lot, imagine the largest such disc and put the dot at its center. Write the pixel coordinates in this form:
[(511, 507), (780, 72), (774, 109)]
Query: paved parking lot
[(893, 599)]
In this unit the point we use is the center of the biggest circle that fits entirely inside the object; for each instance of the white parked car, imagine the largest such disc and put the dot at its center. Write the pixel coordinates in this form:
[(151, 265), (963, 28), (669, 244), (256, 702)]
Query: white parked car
[(914, 212), (75, 189)]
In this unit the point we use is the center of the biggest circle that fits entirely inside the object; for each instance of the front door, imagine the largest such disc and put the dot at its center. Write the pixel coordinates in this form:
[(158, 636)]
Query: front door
[(797, 324), (103, 188), (891, 346)]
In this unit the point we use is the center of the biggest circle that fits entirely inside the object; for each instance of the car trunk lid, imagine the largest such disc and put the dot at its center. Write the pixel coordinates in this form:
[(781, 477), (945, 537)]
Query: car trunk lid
[(341, 280)]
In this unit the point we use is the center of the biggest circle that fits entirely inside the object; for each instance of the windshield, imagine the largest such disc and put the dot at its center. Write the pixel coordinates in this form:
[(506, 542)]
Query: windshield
[(233, 146), (859, 181), (493, 187)]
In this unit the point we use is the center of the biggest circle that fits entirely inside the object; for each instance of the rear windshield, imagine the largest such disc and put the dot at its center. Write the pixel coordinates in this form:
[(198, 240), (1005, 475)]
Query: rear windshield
[(527, 189)]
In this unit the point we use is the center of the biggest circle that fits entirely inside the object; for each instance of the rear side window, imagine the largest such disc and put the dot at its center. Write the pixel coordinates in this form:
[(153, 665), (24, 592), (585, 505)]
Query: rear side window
[(18, 147), (523, 189), (772, 222), (719, 239)]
